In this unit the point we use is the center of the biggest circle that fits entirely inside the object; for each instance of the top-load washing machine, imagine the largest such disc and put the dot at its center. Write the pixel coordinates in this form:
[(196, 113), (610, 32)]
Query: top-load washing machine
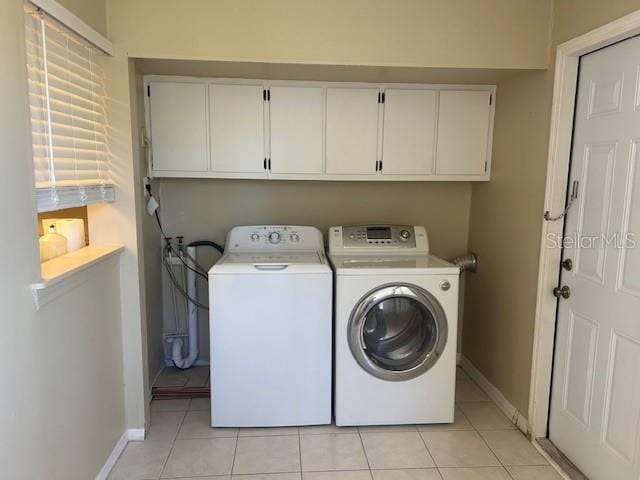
[(395, 314), (271, 329)]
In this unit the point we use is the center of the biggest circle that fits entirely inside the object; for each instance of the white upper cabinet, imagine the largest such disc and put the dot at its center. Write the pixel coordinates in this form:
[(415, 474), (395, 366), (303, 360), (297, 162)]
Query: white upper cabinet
[(236, 125), (302, 130), (297, 129), (464, 126), (409, 131), (177, 120), (352, 131)]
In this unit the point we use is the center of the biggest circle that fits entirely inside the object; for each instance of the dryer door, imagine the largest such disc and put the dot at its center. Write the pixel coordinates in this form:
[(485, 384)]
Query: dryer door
[(397, 332)]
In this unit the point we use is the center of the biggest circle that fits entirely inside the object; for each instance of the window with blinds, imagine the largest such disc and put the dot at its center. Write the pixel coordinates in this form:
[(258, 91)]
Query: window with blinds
[(68, 122)]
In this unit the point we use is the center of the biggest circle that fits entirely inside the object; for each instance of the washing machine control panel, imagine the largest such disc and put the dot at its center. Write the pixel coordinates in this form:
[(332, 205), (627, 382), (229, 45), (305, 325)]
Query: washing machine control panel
[(274, 237), (378, 239)]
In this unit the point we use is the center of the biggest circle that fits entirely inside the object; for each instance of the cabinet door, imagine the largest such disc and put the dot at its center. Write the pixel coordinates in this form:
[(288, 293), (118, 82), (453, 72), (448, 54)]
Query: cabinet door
[(297, 117), (352, 131), (236, 121), (177, 114), (409, 131), (463, 132)]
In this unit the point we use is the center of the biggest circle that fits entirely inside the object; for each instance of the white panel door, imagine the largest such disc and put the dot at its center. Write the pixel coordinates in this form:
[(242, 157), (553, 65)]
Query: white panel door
[(352, 131), (595, 402), (408, 132), (464, 117), (178, 118), (236, 114), (297, 129)]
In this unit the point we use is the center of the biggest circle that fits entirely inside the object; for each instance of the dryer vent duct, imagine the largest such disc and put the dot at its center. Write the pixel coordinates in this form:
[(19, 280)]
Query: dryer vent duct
[(467, 262)]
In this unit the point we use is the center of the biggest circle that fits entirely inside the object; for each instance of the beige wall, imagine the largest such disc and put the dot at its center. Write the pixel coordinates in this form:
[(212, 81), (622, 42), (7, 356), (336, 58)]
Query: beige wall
[(120, 222), (506, 214), (434, 33), (93, 12), (406, 33), (61, 407), (207, 209), (505, 232)]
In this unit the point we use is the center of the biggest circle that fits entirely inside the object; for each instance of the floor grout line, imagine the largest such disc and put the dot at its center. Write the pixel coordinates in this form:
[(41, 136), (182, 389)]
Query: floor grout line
[(235, 451), (364, 449), (173, 443), (300, 451)]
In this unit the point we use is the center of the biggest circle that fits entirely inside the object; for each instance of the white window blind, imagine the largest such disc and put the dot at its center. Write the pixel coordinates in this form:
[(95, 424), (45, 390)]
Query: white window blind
[(68, 121)]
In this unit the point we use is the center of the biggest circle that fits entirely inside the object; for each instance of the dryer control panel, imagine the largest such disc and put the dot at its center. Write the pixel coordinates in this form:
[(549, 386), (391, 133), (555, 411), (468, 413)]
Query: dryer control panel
[(372, 239)]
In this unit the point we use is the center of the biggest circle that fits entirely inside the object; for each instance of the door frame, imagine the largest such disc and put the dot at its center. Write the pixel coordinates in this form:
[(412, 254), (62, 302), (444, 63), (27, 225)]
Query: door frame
[(559, 154)]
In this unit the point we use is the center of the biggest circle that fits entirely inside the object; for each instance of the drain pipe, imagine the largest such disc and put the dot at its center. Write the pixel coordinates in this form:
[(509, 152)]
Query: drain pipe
[(466, 263), (192, 311)]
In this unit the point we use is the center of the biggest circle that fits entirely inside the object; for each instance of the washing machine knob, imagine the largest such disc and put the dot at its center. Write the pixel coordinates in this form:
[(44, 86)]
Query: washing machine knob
[(255, 237), (274, 237), (295, 237), (405, 235)]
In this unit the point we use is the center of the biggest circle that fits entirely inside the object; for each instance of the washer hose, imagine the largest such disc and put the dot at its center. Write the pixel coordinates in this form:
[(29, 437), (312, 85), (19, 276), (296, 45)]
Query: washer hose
[(207, 243)]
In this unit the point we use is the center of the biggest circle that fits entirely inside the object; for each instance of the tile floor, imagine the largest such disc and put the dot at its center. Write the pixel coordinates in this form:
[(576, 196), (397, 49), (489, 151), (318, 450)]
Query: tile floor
[(175, 377), (481, 444)]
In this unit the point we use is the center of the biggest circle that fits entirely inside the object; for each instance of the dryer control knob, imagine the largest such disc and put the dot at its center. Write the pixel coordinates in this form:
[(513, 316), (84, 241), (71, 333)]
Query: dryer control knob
[(274, 237), (405, 235), (255, 237), (295, 237), (445, 285)]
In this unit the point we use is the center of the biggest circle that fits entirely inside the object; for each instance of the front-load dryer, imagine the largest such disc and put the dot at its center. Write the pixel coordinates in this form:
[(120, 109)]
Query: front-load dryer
[(395, 311)]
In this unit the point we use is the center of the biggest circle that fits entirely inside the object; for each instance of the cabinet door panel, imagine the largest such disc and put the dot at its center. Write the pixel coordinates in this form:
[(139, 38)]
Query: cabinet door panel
[(178, 118), (409, 131), (297, 117), (236, 118), (463, 132), (352, 131)]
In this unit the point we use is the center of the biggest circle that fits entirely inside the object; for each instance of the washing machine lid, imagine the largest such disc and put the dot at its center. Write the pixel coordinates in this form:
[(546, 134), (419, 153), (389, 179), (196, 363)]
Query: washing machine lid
[(391, 264), (272, 262)]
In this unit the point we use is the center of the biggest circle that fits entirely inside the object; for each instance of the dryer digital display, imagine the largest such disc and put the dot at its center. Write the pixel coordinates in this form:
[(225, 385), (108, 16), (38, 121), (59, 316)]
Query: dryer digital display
[(379, 233)]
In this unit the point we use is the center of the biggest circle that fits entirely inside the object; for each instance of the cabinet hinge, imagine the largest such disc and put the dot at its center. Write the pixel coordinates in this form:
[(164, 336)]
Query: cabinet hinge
[(148, 90)]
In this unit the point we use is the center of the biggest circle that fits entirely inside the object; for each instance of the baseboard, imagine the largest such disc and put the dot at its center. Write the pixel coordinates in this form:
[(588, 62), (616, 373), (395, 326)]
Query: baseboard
[(131, 435), (135, 434), (494, 394), (155, 379), (113, 456)]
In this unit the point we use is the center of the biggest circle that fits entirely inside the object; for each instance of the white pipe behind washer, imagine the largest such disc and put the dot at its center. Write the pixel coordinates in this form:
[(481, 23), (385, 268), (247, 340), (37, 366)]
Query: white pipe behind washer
[(192, 311)]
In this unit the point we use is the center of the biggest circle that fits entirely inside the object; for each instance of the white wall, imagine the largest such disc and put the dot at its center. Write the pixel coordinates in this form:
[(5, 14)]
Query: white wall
[(62, 401)]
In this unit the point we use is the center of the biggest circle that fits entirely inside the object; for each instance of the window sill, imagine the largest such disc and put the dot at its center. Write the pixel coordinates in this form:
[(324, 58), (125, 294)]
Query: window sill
[(62, 274)]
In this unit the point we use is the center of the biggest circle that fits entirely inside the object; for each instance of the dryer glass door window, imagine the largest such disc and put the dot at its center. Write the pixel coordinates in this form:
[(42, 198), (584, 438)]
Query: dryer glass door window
[(397, 332)]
